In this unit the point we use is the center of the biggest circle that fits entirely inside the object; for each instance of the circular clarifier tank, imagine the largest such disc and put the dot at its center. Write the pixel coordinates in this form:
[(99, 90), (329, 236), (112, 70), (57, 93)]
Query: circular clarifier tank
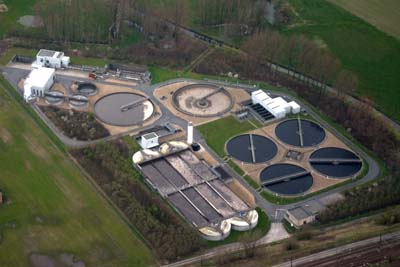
[(203, 100), (87, 88), (251, 148), (286, 179), (54, 97), (123, 109), (335, 162), (78, 101), (300, 133)]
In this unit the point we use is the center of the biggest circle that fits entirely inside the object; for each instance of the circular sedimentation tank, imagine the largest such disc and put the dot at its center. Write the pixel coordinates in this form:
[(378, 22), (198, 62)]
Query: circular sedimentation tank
[(87, 88), (286, 179), (54, 97), (203, 100), (123, 109), (300, 133), (335, 162), (78, 101), (251, 148)]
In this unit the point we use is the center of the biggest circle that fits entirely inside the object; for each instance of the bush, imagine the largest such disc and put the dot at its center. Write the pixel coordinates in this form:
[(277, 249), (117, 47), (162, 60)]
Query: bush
[(389, 218), (291, 245), (76, 124), (306, 233)]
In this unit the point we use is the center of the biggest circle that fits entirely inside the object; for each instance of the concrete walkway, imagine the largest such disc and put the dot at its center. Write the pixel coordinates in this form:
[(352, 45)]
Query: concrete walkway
[(276, 233)]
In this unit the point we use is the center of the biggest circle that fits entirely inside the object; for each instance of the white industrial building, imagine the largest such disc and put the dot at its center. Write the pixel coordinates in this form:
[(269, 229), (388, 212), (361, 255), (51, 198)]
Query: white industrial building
[(278, 106), (38, 82), (51, 59)]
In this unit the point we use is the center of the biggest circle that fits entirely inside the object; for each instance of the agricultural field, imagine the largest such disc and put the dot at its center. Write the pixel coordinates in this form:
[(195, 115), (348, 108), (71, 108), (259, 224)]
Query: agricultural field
[(52, 212), (383, 14), (371, 54), (16, 9)]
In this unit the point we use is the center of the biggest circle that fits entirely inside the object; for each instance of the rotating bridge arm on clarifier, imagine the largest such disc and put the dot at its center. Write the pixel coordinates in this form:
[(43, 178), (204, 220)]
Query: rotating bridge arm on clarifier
[(67, 97), (288, 177), (76, 98), (55, 96), (211, 94), (253, 153), (132, 105), (335, 160), (300, 132)]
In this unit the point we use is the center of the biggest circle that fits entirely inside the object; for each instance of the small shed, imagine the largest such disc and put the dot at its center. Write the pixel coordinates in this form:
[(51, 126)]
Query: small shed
[(149, 140), (304, 214)]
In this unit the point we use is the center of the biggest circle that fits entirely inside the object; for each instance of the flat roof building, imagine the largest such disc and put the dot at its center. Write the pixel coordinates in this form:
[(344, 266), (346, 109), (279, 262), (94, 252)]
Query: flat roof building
[(51, 59), (38, 82), (304, 214)]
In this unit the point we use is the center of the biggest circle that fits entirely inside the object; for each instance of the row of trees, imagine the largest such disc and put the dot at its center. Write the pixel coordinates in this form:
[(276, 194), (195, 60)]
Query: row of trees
[(109, 165), (76, 20), (303, 55)]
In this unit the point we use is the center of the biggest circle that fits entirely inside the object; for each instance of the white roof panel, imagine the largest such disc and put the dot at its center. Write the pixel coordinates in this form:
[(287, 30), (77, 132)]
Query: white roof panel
[(39, 77)]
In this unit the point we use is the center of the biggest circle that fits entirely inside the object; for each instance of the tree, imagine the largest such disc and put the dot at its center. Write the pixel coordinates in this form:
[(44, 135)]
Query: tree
[(249, 242), (346, 82)]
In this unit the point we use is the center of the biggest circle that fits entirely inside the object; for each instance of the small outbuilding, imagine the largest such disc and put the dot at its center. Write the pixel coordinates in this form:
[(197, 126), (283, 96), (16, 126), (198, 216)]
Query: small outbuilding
[(149, 140), (304, 214)]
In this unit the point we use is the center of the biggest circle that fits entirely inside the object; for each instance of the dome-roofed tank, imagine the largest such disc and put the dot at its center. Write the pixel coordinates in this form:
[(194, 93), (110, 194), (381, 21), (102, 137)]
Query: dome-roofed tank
[(220, 232), (246, 222)]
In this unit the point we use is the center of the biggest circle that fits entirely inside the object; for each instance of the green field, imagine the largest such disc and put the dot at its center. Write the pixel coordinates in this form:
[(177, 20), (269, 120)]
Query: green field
[(383, 14), (52, 208), (371, 54), (16, 9)]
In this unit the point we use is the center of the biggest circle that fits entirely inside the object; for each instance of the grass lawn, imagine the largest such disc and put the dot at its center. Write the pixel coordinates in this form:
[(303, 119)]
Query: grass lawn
[(383, 14), (371, 54), (16, 9), (10, 53), (52, 207), (218, 132)]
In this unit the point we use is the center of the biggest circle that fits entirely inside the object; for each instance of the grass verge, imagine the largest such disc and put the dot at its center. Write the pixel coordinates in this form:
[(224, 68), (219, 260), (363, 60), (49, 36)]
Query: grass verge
[(52, 208)]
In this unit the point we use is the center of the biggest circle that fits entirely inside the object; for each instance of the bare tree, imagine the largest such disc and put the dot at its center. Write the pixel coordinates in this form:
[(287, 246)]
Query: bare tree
[(346, 82), (249, 242)]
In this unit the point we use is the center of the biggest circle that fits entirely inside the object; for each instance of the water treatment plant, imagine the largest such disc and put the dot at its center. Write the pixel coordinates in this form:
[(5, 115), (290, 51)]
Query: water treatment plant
[(285, 152)]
